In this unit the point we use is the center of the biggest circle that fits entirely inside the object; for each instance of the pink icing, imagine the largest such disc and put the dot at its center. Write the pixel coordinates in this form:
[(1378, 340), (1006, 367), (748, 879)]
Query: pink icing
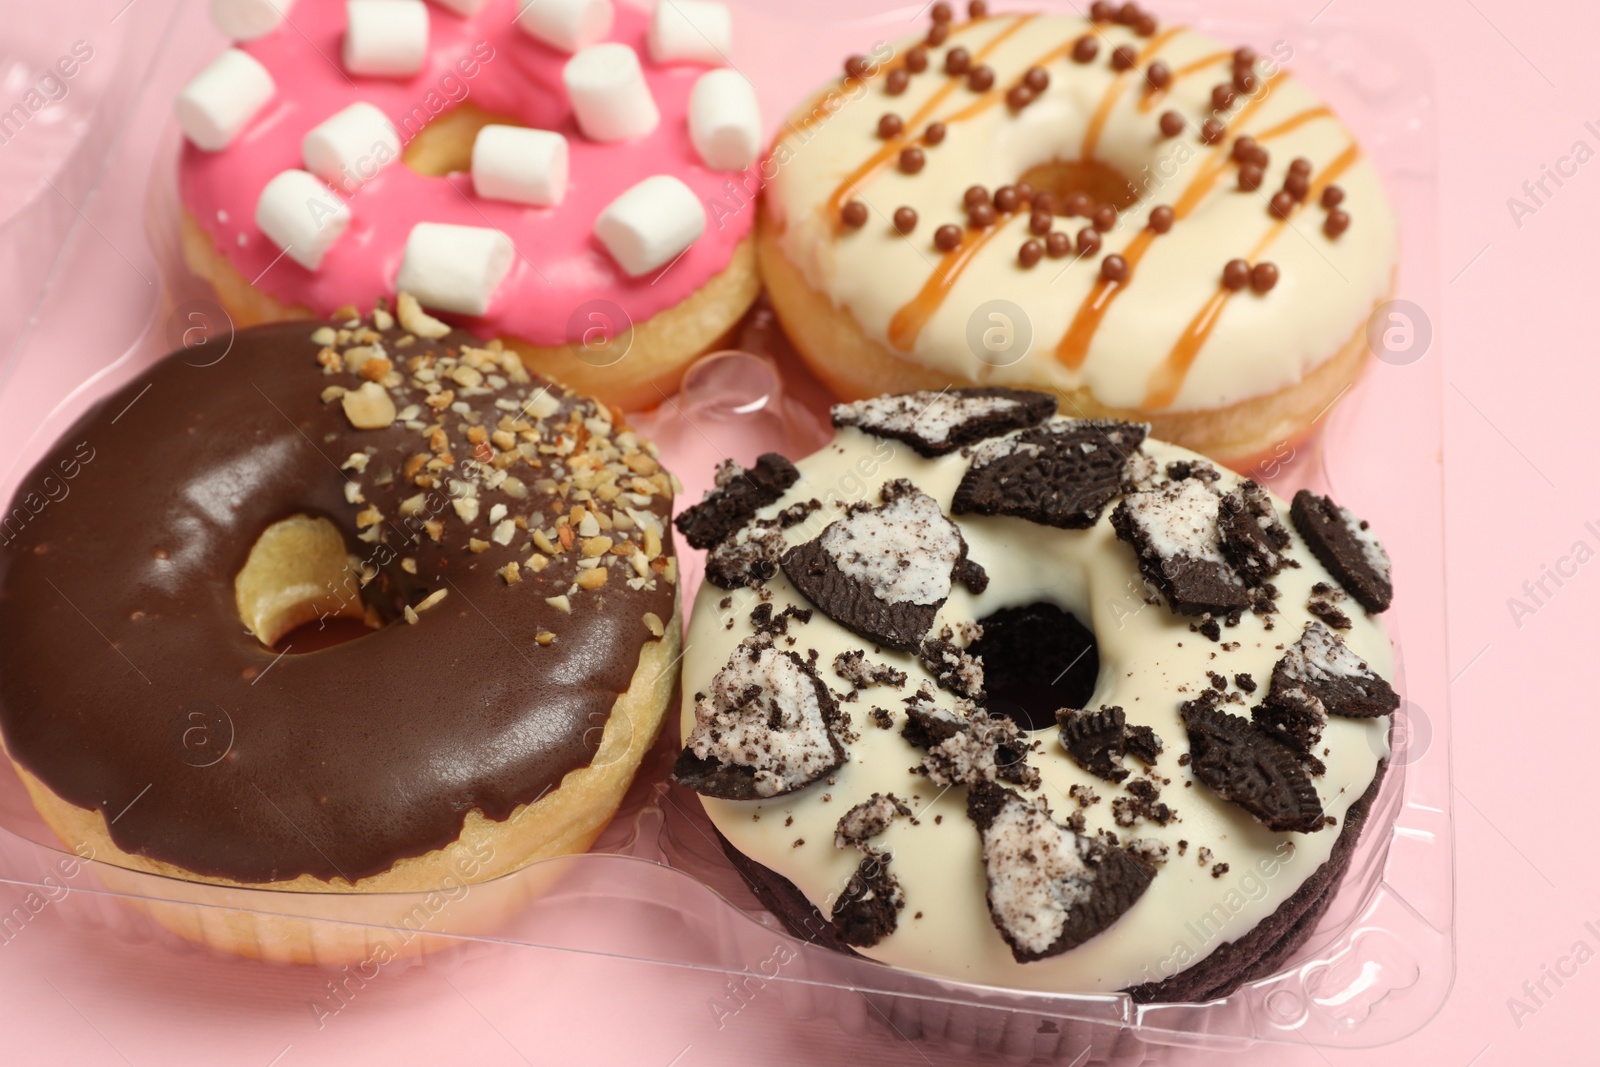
[(559, 266)]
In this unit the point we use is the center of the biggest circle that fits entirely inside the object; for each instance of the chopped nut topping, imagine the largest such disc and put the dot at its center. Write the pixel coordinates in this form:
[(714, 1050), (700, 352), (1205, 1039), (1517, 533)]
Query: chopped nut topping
[(652, 622), (369, 408), (414, 320)]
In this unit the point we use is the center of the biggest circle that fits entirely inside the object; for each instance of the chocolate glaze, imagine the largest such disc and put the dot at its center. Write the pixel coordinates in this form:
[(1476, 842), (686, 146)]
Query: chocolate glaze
[(118, 622)]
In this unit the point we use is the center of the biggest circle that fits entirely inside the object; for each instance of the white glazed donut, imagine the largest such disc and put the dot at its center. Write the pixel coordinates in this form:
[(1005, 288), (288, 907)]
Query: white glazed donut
[(841, 603), (892, 273)]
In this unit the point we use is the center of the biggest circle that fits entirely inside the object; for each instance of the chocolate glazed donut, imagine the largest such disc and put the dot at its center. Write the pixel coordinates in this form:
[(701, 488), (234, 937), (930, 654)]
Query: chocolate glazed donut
[(120, 621)]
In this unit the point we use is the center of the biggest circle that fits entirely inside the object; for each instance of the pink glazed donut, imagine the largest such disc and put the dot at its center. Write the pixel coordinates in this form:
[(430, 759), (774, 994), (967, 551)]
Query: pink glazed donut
[(576, 180)]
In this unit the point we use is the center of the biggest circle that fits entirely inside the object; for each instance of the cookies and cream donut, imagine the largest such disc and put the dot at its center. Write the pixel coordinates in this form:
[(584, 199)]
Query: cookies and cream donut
[(564, 176), (496, 546), (995, 695), (1148, 223)]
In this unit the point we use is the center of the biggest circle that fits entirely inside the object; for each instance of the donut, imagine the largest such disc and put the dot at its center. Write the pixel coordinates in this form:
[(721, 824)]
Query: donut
[(572, 181), (1153, 226), (495, 548), (995, 695)]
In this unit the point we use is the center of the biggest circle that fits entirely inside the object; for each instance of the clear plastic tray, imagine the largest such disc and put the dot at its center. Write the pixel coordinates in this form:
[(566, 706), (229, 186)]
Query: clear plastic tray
[(1379, 964)]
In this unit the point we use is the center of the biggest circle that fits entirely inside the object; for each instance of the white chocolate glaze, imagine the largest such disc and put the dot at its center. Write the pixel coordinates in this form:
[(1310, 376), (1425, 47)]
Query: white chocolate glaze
[(1150, 662), (1170, 338)]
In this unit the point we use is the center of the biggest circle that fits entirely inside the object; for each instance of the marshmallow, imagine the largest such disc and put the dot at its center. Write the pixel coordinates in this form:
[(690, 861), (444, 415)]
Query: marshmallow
[(245, 20), (690, 31), (385, 38), (608, 92), (651, 224), (725, 120), (302, 216), (222, 99), (454, 268), (566, 25), (354, 144), (465, 8), (521, 165)]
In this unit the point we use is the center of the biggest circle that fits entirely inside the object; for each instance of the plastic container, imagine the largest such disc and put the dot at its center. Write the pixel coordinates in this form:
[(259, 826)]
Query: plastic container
[(656, 889)]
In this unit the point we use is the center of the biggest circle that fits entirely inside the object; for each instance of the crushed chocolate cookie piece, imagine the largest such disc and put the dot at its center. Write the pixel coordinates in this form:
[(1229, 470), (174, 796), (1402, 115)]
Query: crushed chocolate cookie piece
[(1252, 537), (1148, 852), (1143, 744), (1142, 804), (1319, 676), (972, 575), (966, 749), (855, 668), (868, 819), (795, 514), (953, 668), (1203, 856), (1181, 469), (764, 621), (1095, 740), (1050, 888), (767, 728), (881, 718), (1324, 604), (868, 909), (1084, 794), (738, 495), (1218, 870), (1173, 529), (1245, 682), (938, 423), (747, 562), (1243, 764), (1346, 546), (1061, 474), (882, 572), (1218, 682), (1210, 628)]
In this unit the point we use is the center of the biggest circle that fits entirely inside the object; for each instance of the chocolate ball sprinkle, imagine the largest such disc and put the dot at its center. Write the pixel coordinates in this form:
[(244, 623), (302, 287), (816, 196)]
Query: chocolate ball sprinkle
[(941, 12), (975, 195), (934, 133), (1212, 131), (957, 61), (1332, 197), (853, 214), (1243, 148), (1104, 218), (1006, 199), (947, 237), (1123, 57), (1336, 223), (856, 66), (1030, 253), (1282, 205), (890, 126), (1085, 48), (1162, 218), (938, 34), (1235, 275), (1244, 57), (1018, 97), (897, 82), (978, 9), (1145, 25), (1250, 177), (1025, 191), (1264, 277), (981, 217), (1102, 11), (1300, 165), (917, 60), (1245, 82), (1297, 185), (1047, 203), (981, 80), (1158, 74), (912, 160), (1039, 223), (1037, 79), (905, 219), (1128, 13), (1088, 241), (1222, 96), (1114, 269), (1172, 123), (1058, 244), (1077, 204)]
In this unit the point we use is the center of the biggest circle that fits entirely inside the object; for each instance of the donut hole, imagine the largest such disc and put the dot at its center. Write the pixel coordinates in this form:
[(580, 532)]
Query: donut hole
[(299, 588), (1037, 659), (1100, 182), (444, 145)]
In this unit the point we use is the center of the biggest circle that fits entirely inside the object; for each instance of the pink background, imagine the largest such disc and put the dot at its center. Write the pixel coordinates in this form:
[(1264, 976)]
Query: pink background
[(1512, 84)]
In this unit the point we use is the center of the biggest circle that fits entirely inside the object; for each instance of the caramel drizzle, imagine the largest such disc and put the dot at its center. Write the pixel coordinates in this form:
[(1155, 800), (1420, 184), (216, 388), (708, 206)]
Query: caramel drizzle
[(1073, 347), (1167, 379), (1294, 122), (1148, 102), (1102, 113), (913, 127), (910, 319)]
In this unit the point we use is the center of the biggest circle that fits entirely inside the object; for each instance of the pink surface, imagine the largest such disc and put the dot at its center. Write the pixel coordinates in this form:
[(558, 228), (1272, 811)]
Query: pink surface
[(1509, 109), (491, 64)]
